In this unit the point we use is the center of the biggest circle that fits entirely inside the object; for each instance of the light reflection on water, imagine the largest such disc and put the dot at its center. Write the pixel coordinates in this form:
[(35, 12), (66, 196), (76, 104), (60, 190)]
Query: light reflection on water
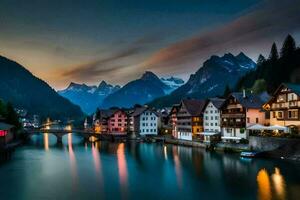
[(122, 170), (73, 164), (270, 186)]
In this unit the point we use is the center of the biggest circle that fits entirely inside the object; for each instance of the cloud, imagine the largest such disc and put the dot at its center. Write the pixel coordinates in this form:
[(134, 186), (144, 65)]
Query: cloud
[(121, 59), (253, 33)]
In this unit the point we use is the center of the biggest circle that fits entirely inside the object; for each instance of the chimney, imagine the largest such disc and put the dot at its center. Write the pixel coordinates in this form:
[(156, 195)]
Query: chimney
[(244, 93)]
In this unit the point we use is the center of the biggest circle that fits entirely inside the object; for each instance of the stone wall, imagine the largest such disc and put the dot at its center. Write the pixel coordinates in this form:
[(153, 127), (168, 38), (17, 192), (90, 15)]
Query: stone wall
[(268, 143)]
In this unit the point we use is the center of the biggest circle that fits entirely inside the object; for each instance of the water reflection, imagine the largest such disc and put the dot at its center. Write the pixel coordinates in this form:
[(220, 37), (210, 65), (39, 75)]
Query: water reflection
[(264, 185), (72, 161), (177, 166), (96, 158), (46, 141), (265, 189), (122, 166), (279, 184)]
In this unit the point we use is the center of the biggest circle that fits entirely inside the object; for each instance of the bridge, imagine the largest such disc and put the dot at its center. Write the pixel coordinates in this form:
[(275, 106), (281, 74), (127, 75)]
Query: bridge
[(59, 133)]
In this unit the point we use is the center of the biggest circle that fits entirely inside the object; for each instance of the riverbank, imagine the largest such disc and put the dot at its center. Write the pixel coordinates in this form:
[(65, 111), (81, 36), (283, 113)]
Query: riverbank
[(7, 150)]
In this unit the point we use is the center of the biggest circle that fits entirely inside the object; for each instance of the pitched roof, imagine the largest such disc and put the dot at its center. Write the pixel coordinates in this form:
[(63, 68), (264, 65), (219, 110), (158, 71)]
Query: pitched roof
[(5, 126), (193, 106), (294, 87), (138, 111), (251, 100), (217, 102)]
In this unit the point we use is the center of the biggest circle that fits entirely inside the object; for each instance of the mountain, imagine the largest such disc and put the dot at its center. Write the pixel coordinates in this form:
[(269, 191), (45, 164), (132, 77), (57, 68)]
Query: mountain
[(211, 79), (88, 97), (173, 83), (140, 91), (19, 87)]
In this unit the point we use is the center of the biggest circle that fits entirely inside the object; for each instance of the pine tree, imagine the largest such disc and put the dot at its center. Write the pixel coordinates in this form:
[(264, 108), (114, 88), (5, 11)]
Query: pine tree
[(288, 47), (261, 59), (2, 108), (227, 91), (11, 116), (274, 53), (98, 114)]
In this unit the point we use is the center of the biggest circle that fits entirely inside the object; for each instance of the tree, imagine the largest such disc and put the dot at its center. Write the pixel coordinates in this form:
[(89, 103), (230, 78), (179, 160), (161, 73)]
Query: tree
[(261, 59), (288, 47), (227, 91), (12, 116), (2, 108), (259, 86), (274, 53), (98, 113)]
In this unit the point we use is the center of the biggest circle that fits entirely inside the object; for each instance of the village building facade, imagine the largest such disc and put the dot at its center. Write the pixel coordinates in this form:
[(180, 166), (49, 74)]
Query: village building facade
[(238, 112), (284, 107), (190, 118)]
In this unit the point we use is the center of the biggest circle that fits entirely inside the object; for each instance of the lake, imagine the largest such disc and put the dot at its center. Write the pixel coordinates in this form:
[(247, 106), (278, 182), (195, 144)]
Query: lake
[(42, 169)]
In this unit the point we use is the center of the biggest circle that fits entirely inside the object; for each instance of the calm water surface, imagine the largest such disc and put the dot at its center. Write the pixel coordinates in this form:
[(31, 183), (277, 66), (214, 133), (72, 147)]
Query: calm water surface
[(104, 170)]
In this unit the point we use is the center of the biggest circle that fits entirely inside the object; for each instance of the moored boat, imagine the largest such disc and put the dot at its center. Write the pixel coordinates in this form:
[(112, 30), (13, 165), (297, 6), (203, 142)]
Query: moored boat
[(248, 154)]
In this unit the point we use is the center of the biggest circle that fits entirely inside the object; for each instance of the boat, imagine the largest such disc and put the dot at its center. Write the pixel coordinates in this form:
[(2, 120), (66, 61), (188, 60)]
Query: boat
[(248, 154)]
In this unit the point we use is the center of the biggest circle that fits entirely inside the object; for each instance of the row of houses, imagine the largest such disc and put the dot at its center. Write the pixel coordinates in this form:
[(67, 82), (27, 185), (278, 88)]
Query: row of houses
[(228, 119), (139, 120), (234, 117)]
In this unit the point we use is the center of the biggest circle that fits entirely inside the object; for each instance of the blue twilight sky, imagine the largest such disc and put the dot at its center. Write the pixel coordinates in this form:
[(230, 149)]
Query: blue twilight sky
[(116, 41)]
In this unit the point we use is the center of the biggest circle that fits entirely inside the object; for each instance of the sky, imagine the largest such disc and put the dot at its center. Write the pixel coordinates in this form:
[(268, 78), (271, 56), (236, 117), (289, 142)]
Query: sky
[(117, 40)]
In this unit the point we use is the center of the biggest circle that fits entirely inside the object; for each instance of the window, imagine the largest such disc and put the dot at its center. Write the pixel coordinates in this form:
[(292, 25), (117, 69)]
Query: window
[(206, 117), (293, 114), (256, 120), (211, 124), (216, 124), (279, 115), (216, 117), (229, 130), (274, 114), (212, 118), (248, 120)]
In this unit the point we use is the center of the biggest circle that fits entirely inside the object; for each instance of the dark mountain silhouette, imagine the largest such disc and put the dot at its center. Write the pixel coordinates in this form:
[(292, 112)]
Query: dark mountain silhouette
[(23, 90), (211, 79)]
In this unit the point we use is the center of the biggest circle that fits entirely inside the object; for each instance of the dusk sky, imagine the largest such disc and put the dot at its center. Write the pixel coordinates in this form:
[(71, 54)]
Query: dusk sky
[(89, 41)]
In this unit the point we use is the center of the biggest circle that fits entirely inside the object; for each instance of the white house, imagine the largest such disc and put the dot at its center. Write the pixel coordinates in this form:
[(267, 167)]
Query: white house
[(149, 122), (212, 115), (145, 121), (212, 119)]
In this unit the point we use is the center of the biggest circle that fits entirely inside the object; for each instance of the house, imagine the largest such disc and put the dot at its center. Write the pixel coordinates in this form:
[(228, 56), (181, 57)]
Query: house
[(190, 118), (6, 133), (212, 119), (100, 121), (146, 121), (238, 112), (117, 122), (284, 107), (173, 120)]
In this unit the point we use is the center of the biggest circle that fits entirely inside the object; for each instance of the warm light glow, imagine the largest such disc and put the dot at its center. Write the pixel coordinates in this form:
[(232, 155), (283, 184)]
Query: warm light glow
[(177, 166), (68, 128), (165, 152), (72, 160), (279, 183), (122, 166), (97, 128), (264, 186), (46, 141), (96, 158), (47, 127)]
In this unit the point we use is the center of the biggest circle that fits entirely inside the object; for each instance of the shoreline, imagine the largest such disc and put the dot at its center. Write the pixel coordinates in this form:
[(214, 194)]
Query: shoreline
[(282, 152)]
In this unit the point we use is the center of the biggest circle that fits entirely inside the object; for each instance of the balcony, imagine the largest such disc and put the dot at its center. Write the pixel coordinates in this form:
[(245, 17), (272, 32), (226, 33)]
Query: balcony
[(234, 124), (233, 115)]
